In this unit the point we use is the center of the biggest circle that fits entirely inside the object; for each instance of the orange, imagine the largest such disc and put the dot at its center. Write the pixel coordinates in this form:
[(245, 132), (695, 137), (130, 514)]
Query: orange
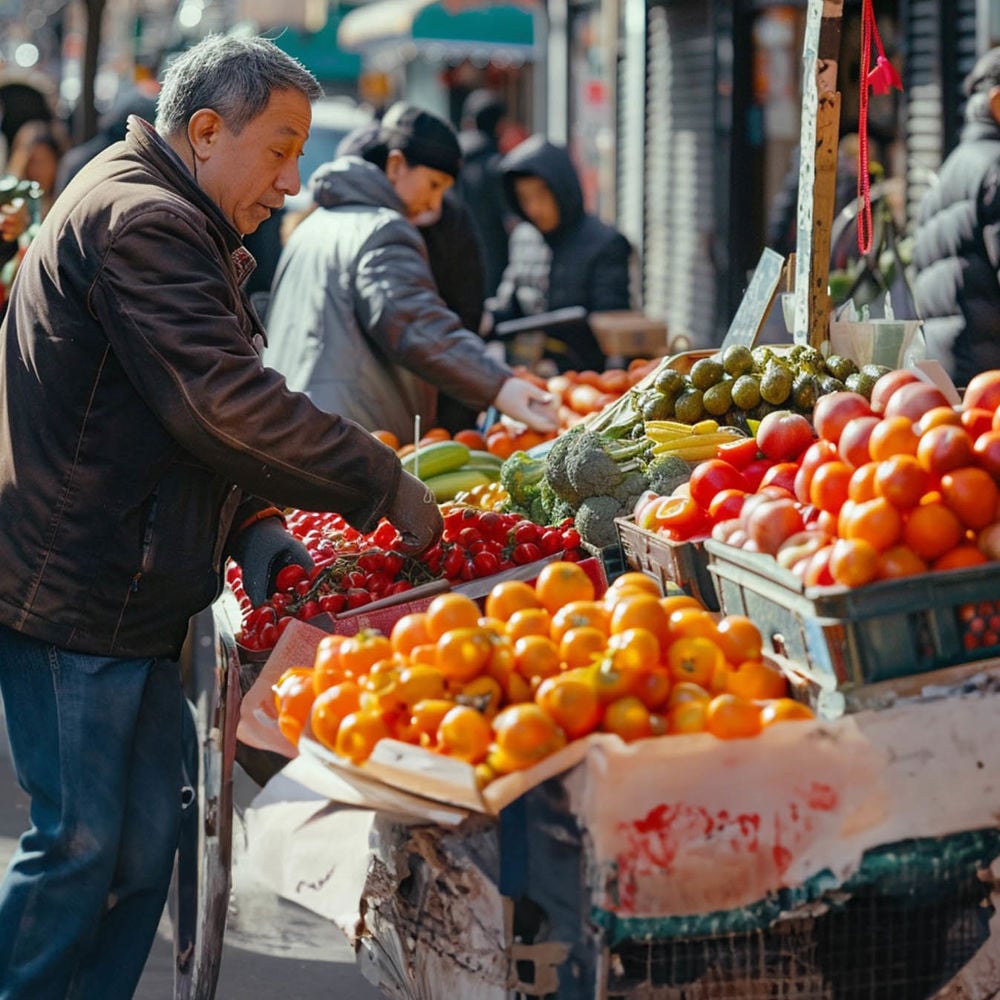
[(417, 682), (861, 485), (471, 439), (892, 436), (572, 702), (360, 651), (509, 596), (387, 438), (653, 688), (448, 611), (853, 562), (633, 580), (684, 691), (902, 480), (536, 656), (529, 621), (641, 611), (972, 494), (687, 717), (635, 648), (326, 664), (932, 529), (330, 708), (959, 556), (464, 733), (694, 659), (409, 631), (293, 699), (580, 646), (730, 717), (784, 710), (526, 732), (358, 734), (687, 623), (426, 718), (577, 614), (738, 638), (560, 582), (897, 561), (628, 718), (462, 653), (876, 521), (483, 693), (756, 680), (943, 448), (674, 602)]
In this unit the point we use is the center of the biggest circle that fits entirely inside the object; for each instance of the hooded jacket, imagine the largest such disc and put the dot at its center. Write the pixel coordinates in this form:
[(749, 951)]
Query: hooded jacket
[(355, 319), (136, 419), (582, 262), (956, 252)]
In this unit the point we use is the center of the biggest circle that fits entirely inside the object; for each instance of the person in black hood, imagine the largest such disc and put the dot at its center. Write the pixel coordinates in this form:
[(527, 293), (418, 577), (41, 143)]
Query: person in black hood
[(956, 249), (560, 256)]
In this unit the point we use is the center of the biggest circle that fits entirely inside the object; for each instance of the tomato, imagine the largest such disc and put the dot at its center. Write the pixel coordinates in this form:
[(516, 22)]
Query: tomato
[(834, 409), (944, 448), (526, 552), (739, 452), (726, 504), (711, 477), (288, 576), (783, 435), (682, 516), (781, 474), (550, 541), (755, 472), (485, 564), (772, 521), (986, 452), (885, 388)]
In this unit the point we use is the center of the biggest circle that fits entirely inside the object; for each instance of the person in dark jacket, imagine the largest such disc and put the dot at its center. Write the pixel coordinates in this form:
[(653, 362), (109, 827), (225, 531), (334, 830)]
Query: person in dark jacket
[(560, 256), (956, 248), (142, 442), (479, 182), (355, 319)]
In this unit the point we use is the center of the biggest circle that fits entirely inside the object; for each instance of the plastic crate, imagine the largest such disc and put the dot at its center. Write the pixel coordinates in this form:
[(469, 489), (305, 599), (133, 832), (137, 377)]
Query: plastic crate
[(681, 563), (865, 634)]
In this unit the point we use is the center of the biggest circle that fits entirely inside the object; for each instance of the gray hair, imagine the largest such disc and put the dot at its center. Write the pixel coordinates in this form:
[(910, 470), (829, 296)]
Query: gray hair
[(233, 76)]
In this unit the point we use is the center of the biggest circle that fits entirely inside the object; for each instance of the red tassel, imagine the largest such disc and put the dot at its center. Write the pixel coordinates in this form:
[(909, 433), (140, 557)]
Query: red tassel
[(884, 77)]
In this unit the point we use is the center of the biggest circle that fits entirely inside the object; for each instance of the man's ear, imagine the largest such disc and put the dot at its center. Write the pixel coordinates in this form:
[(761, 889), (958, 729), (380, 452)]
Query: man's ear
[(204, 127), (994, 99), (394, 162)]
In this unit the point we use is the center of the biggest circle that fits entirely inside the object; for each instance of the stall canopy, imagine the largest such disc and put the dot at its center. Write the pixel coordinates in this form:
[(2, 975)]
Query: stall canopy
[(320, 52), (429, 26)]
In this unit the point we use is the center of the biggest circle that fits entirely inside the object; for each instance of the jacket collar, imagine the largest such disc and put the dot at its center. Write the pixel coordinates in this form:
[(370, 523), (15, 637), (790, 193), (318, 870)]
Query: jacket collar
[(142, 137)]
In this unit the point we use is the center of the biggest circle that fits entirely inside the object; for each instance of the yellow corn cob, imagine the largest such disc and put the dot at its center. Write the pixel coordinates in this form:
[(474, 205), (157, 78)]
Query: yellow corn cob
[(703, 442)]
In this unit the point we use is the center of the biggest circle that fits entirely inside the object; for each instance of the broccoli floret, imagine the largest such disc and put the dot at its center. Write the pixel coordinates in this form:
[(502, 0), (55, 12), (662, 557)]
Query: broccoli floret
[(666, 473), (555, 465), (632, 486), (597, 466), (560, 511), (595, 520), (520, 476)]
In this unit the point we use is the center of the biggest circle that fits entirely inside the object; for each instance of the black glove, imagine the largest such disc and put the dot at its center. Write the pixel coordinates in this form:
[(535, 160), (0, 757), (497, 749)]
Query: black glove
[(415, 515), (264, 549)]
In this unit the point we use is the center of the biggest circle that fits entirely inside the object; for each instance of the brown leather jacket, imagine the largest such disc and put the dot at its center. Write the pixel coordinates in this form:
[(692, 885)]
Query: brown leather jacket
[(137, 422)]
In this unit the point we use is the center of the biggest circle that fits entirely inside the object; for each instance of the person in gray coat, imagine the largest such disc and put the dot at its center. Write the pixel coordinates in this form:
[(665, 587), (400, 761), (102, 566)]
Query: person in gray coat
[(355, 319)]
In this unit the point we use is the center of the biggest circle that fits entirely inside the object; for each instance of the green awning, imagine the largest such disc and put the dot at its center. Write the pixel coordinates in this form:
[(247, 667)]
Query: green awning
[(319, 52), (428, 25)]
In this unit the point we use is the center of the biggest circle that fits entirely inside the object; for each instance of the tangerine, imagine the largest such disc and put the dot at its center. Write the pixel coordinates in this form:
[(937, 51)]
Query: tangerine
[(465, 733), (572, 702), (730, 717), (627, 718), (448, 611), (641, 611), (330, 708), (756, 680), (560, 582), (932, 529), (509, 596), (785, 710), (358, 734)]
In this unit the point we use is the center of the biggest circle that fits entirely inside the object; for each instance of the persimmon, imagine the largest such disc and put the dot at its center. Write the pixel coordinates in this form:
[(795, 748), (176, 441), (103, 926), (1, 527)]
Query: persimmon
[(536, 656), (527, 733), (509, 596), (580, 646), (572, 702), (730, 717), (785, 710), (448, 611), (560, 582), (627, 718), (464, 733)]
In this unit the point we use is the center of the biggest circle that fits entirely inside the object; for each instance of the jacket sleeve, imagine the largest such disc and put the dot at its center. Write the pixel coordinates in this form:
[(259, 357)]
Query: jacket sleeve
[(609, 276), (176, 331), (398, 306)]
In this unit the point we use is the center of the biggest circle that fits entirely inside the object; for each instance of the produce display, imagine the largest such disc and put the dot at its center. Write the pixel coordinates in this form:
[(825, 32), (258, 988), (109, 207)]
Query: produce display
[(503, 686), (893, 484), (354, 569)]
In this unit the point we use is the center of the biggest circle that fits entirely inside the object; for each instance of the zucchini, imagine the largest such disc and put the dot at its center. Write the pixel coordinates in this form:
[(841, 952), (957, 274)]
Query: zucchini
[(435, 459), (445, 485), (484, 458)]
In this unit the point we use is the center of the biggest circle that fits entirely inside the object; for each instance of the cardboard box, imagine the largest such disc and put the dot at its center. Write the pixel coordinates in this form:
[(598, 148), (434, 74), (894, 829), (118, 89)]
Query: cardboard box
[(629, 334)]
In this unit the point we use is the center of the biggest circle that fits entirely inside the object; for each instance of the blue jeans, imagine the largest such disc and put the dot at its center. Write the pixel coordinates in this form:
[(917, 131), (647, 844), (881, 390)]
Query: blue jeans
[(96, 743)]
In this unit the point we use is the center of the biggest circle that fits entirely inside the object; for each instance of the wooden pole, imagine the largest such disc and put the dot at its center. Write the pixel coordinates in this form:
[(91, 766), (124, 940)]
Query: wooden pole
[(819, 135)]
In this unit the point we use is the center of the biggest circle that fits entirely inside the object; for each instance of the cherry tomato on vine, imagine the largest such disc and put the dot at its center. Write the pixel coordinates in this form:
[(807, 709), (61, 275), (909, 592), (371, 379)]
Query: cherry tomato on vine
[(289, 576)]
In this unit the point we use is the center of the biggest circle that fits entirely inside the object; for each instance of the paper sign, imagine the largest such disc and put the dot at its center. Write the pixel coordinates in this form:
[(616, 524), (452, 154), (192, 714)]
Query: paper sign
[(756, 302)]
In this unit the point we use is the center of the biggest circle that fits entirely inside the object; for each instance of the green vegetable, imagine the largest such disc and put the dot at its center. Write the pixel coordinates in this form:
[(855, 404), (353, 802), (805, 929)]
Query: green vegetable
[(521, 475), (597, 466), (595, 520), (666, 473)]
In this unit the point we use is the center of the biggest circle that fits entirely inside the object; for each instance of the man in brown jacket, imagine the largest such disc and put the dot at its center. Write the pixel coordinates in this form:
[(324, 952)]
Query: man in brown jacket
[(142, 441)]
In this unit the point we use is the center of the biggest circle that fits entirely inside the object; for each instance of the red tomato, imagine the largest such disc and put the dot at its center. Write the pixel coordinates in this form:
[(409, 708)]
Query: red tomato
[(726, 504), (740, 452), (711, 477), (781, 474), (683, 517), (755, 471)]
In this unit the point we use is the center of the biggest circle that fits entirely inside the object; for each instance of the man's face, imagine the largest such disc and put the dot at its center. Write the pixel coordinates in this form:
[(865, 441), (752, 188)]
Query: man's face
[(419, 188), (537, 202), (248, 175)]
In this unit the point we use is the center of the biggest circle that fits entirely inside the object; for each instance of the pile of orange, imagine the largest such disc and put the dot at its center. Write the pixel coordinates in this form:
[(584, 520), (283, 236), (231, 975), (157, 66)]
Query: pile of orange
[(504, 686)]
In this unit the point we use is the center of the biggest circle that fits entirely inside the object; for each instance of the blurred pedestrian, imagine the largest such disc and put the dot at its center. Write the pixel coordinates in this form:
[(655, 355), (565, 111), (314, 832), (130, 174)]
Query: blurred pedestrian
[(956, 247), (355, 318), (35, 154), (143, 444), (479, 183), (560, 255)]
